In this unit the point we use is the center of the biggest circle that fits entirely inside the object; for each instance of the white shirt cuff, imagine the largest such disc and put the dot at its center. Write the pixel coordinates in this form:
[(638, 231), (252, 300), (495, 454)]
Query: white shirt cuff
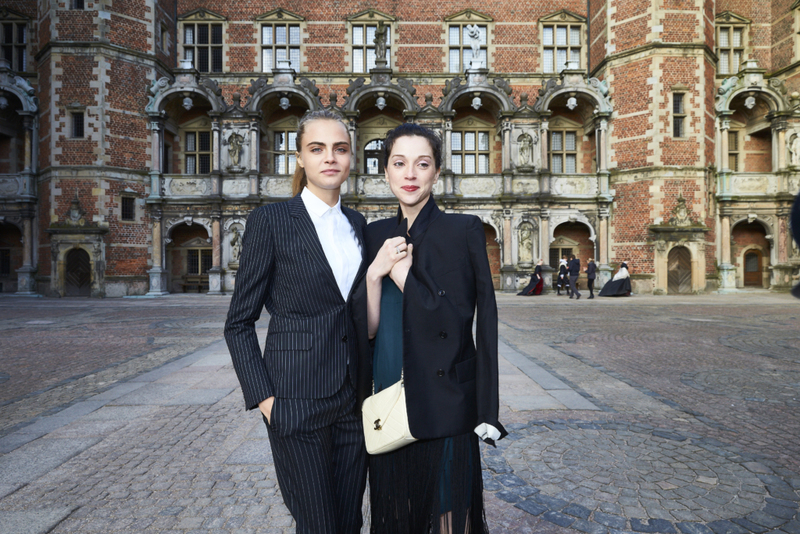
[(485, 430)]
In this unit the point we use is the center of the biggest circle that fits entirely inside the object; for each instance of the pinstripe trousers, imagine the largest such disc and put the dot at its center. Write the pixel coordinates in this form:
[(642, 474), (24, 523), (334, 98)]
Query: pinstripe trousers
[(320, 459)]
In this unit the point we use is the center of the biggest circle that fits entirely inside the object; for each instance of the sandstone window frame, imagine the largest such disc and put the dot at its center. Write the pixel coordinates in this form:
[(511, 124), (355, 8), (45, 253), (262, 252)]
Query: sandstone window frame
[(196, 19), (363, 20), (287, 127), (163, 38), (77, 124), (197, 258), (574, 27), (728, 24), (678, 109), (460, 149), (286, 19), (561, 124), (192, 137), (373, 150), (14, 25), (459, 22), (367, 131), (127, 208)]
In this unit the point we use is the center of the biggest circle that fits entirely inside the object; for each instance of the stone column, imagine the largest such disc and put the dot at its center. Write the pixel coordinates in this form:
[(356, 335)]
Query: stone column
[(255, 163), (780, 129), (725, 126), (601, 135), (506, 129), (158, 275), (27, 122), (215, 144), (604, 269), (351, 179), (215, 273), (26, 281), (544, 171), (156, 144), (27, 174), (507, 237), (446, 158), (727, 271)]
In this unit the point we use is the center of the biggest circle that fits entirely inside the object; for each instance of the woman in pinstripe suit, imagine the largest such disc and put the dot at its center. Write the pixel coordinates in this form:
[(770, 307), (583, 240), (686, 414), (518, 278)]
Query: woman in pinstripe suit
[(300, 259)]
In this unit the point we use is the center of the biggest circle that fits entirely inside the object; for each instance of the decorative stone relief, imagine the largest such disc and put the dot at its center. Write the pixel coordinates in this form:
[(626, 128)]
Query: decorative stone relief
[(794, 185), (276, 187), (235, 241), (793, 146), (236, 188), (525, 157), (477, 187), (237, 154), (188, 186), (525, 186), (375, 187), (575, 185), (743, 183), (9, 186)]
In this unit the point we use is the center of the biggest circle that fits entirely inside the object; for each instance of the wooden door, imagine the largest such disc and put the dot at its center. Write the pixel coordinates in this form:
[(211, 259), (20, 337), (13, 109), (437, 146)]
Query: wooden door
[(679, 265), (752, 269), (78, 279)]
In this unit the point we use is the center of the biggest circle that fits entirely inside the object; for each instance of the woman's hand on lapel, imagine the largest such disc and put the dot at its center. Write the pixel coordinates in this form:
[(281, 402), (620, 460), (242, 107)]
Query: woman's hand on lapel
[(391, 252), (400, 270)]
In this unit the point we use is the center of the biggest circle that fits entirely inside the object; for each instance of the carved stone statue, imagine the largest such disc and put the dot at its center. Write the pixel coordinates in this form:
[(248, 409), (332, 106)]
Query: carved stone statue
[(474, 34), (235, 142), (236, 245), (525, 243), (794, 150), (525, 150), (380, 44)]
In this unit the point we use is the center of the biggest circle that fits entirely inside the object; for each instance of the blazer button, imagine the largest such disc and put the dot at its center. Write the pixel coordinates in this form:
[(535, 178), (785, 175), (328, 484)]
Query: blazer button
[(344, 338), (441, 292), (443, 334), (440, 372)]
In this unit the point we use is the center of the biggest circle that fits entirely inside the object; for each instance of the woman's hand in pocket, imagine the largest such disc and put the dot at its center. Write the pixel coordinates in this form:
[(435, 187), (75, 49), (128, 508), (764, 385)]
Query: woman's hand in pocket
[(266, 408)]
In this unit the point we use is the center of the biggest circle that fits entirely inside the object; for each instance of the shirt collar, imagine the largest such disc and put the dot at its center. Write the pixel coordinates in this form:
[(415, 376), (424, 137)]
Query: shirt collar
[(316, 206), (430, 211)]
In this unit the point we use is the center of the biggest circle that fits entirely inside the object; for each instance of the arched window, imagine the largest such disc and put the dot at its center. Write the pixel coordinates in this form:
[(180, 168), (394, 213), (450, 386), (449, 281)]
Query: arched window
[(373, 157)]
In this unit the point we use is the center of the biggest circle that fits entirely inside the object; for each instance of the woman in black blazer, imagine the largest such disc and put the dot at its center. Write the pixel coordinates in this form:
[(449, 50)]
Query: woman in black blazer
[(299, 260), (428, 271)]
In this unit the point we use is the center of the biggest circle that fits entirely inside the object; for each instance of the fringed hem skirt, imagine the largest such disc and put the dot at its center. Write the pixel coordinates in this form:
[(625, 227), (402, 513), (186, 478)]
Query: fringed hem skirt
[(428, 487)]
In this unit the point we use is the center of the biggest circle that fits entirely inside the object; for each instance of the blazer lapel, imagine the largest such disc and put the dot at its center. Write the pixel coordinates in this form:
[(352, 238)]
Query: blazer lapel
[(310, 240), (352, 216)]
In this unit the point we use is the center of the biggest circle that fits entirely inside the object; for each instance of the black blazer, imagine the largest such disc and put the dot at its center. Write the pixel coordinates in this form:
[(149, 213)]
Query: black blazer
[(451, 385), (574, 267), (311, 338)]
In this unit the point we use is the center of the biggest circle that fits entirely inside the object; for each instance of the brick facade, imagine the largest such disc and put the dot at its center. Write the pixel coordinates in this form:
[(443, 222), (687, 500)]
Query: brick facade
[(631, 176)]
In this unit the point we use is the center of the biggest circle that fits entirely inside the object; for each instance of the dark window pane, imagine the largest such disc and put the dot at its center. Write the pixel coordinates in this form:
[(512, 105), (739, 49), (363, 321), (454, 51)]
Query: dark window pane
[(216, 34), (205, 261), (216, 60), (8, 53), (77, 125), (205, 163), (77, 4), (128, 208), (192, 262), (677, 127), (21, 63), (202, 59), (202, 33), (677, 103), (8, 33), (205, 141), (21, 33), (751, 262), (5, 262), (554, 257)]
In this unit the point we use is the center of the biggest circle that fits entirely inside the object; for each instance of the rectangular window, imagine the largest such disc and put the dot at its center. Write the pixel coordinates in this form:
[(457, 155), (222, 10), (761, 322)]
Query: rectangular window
[(14, 39), (77, 125), (678, 115), (363, 38), (470, 152), (198, 153), (561, 43), (280, 42), (460, 42), (202, 44), (564, 152), (284, 149), (163, 41), (733, 151), (730, 48), (5, 262), (77, 4), (128, 208), (198, 261)]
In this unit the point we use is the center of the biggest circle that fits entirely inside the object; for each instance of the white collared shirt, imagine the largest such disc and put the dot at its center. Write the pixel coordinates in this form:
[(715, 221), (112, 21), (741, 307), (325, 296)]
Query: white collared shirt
[(337, 237)]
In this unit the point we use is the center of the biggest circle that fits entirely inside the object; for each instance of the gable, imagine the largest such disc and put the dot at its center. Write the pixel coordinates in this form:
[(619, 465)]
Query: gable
[(371, 15), (468, 15), (202, 15), (563, 16), (729, 17), (279, 14)]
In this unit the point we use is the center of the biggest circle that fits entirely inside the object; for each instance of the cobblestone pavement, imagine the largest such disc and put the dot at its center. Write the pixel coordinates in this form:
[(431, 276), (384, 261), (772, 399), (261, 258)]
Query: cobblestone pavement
[(672, 415)]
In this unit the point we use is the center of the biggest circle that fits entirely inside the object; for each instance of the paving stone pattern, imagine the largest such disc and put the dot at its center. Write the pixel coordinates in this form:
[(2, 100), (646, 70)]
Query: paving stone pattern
[(672, 415)]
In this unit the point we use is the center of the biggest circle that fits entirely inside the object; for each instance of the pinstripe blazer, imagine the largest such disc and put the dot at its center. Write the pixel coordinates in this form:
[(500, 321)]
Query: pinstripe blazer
[(310, 339)]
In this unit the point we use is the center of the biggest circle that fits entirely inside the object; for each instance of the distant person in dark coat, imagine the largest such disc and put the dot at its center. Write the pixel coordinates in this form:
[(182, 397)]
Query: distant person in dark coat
[(796, 234), (562, 281), (536, 284), (574, 269), (591, 274), (620, 285)]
